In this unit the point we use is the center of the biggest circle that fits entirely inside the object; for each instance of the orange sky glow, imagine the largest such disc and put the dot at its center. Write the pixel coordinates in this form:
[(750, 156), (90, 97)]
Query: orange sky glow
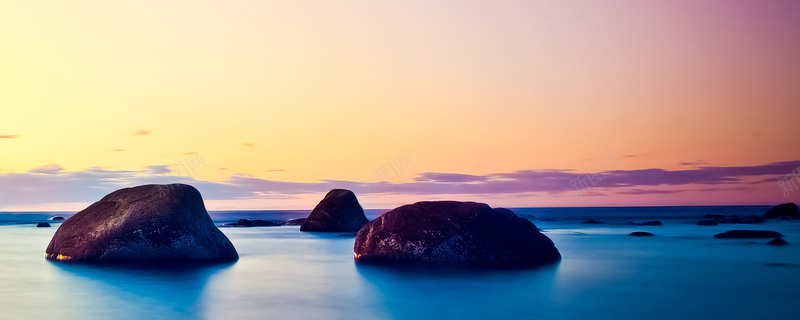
[(267, 105)]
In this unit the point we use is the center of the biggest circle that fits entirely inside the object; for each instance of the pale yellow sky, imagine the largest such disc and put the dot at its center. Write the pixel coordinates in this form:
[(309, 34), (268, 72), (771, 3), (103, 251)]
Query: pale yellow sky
[(328, 90)]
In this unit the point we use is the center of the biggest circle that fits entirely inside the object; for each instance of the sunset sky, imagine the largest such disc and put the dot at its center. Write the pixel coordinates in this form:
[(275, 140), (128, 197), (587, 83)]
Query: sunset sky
[(697, 102)]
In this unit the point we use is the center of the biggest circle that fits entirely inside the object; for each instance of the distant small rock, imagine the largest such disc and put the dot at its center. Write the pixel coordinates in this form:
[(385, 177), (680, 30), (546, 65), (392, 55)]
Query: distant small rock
[(531, 217), (787, 209), (745, 219), (592, 221), (295, 222), (652, 223), (746, 234), (56, 218), (43, 225), (252, 223), (641, 234), (714, 216), (707, 223), (548, 220), (777, 242)]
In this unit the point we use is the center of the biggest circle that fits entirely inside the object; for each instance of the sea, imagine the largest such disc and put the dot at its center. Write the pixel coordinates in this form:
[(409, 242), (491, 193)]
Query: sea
[(682, 272)]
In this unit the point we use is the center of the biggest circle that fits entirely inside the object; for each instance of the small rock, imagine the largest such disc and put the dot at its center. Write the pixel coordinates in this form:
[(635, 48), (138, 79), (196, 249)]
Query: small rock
[(56, 218), (777, 242), (43, 225), (592, 221), (641, 234), (742, 234), (652, 223), (339, 211)]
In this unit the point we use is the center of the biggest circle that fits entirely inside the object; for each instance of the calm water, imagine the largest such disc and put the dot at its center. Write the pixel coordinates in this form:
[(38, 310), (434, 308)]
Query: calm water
[(682, 272)]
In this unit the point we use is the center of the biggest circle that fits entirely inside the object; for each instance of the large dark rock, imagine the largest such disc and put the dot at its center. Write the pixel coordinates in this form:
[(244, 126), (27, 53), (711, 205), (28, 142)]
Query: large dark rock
[(786, 209), (42, 225), (339, 211), (739, 234), (641, 234), (150, 222), (56, 218), (454, 232)]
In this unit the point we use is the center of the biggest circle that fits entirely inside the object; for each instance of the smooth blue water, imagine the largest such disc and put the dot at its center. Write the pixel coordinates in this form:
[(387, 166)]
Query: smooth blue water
[(682, 272)]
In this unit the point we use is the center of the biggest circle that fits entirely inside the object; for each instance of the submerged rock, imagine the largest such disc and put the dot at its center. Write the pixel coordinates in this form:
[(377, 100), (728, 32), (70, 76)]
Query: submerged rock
[(714, 216), (256, 223), (777, 242), (149, 222), (454, 232), (707, 223), (652, 223), (641, 234), (787, 209), (339, 211), (745, 234), (592, 221), (43, 225), (295, 222)]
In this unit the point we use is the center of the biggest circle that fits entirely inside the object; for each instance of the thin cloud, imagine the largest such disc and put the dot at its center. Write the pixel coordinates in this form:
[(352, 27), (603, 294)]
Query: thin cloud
[(9, 136), (117, 150), (141, 132), (275, 170), (48, 169), (249, 144), (695, 163)]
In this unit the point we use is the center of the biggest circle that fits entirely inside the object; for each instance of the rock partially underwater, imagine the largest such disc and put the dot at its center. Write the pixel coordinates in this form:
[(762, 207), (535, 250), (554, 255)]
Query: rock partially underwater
[(144, 223), (454, 232)]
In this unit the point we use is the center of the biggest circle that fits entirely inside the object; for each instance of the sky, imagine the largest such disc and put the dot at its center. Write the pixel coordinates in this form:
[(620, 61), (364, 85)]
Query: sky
[(519, 103)]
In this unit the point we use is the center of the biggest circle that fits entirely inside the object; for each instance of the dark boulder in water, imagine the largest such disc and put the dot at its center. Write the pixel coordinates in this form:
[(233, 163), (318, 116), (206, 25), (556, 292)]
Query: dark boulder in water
[(144, 223), (744, 234), (339, 211), (641, 234), (714, 216), (454, 232), (652, 223), (777, 242), (786, 209), (42, 225), (592, 221), (707, 223), (56, 218), (295, 222)]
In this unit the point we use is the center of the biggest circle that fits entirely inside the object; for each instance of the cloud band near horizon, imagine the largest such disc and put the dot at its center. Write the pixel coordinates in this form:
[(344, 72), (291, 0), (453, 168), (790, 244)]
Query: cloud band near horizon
[(51, 184)]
